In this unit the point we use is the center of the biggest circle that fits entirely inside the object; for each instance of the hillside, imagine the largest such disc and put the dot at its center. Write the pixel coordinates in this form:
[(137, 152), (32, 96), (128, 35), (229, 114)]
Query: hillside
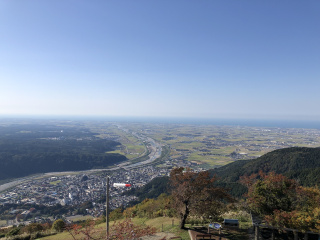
[(31, 149), (152, 189), (300, 163)]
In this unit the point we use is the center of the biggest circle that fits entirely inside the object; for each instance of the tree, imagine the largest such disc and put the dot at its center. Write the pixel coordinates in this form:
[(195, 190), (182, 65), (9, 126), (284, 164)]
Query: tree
[(86, 232), (14, 231), (116, 214), (283, 203), (33, 227), (196, 194), (58, 225), (271, 192)]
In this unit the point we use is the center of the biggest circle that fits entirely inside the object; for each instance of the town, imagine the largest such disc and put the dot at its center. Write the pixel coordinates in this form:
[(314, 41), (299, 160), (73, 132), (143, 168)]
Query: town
[(74, 190), (198, 147)]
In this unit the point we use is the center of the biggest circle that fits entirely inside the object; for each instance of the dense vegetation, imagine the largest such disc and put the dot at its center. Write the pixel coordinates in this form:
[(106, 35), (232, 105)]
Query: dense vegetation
[(299, 163), (282, 202), (294, 162), (30, 149), (152, 189)]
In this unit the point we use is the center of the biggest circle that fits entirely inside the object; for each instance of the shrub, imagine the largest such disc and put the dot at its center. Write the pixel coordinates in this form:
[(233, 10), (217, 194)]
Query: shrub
[(58, 225), (13, 232)]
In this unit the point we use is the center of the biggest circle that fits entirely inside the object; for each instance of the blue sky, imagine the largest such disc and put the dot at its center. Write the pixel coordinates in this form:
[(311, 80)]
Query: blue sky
[(208, 59)]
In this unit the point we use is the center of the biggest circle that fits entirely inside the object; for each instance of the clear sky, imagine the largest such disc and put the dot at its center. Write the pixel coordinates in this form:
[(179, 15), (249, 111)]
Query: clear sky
[(167, 58)]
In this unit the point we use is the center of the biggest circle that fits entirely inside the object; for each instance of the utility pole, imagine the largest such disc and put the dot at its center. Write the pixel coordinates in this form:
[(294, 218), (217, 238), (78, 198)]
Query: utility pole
[(107, 201), (107, 207)]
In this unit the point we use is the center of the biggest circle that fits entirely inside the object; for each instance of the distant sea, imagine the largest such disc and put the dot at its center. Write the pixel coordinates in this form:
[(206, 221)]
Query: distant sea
[(226, 122), (271, 123)]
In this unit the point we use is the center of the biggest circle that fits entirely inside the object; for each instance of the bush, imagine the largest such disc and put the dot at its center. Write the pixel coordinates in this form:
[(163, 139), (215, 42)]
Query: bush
[(116, 214), (58, 225), (13, 232), (27, 236), (21, 237), (100, 220), (33, 227)]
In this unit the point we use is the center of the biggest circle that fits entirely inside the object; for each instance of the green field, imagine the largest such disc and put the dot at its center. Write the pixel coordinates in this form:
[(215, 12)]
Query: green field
[(55, 182), (211, 145), (79, 218), (218, 145), (131, 146)]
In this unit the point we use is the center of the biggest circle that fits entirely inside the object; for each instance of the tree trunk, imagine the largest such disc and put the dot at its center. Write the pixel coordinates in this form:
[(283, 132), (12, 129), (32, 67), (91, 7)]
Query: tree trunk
[(184, 216)]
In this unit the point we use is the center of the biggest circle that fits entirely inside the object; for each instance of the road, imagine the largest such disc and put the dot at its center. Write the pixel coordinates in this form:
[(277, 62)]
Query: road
[(155, 152)]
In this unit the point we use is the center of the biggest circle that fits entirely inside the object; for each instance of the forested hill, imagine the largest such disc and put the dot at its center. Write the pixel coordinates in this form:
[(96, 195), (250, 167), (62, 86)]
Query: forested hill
[(30, 149), (300, 163)]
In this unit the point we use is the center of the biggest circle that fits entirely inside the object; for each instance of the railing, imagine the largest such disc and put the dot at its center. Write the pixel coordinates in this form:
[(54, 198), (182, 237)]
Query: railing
[(258, 235)]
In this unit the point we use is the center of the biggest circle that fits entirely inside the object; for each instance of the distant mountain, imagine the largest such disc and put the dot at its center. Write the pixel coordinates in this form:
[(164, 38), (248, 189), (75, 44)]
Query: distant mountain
[(299, 163)]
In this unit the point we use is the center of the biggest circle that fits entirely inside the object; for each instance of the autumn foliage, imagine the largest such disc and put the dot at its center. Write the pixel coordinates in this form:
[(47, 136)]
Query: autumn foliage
[(122, 230), (282, 202), (195, 193)]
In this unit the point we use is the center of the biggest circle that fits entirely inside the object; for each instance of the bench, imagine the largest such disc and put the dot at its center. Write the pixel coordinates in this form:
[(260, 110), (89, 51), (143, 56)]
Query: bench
[(233, 223)]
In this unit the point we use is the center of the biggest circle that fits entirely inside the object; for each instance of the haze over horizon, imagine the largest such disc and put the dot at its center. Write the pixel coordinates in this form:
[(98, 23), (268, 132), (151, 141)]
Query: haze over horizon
[(206, 59)]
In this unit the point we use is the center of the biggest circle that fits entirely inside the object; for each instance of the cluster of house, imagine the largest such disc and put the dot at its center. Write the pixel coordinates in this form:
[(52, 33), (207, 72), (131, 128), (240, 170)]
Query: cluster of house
[(75, 189), (79, 188)]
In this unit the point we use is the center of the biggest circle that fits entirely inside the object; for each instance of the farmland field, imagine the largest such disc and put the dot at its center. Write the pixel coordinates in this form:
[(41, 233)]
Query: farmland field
[(213, 145)]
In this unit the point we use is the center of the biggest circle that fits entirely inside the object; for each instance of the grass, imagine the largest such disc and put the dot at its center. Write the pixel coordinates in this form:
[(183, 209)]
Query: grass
[(3, 222), (55, 182), (79, 218), (245, 221), (162, 224), (131, 151), (209, 160), (135, 149), (59, 236), (236, 234)]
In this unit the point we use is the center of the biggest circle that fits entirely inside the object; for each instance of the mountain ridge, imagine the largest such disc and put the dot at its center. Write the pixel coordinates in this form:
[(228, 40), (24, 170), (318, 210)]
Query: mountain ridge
[(299, 163), (292, 162)]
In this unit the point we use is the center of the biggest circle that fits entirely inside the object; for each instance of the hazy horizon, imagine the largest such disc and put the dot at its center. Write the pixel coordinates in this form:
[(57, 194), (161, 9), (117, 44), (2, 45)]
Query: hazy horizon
[(247, 122)]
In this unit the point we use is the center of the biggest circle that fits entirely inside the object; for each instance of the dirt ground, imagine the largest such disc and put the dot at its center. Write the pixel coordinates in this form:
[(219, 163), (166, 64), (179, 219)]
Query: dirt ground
[(159, 236)]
